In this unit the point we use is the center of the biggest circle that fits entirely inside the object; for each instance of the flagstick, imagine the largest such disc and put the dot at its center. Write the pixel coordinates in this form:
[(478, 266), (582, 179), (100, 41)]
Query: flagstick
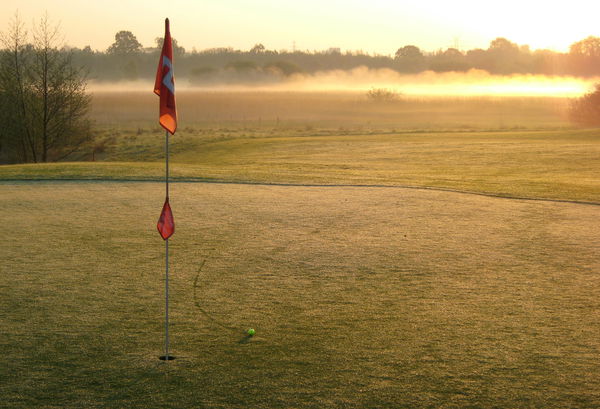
[(167, 162), (167, 252), (166, 357), (167, 301)]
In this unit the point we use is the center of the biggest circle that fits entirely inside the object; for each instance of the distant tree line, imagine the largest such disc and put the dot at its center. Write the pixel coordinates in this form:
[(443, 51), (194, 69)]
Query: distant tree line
[(44, 105), (127, 59)]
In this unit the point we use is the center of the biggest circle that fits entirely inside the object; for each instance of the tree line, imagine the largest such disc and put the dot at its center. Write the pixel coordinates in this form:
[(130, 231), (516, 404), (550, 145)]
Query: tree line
[(44, 104), (128, 59)]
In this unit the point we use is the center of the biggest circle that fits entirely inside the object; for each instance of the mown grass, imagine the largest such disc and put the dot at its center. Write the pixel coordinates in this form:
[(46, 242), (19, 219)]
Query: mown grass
[(555, 164), (361, 297)]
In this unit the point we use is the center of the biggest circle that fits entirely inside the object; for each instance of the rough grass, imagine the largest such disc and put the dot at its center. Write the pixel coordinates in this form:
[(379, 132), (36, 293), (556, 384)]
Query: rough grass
[(361, 297), (348, 110)]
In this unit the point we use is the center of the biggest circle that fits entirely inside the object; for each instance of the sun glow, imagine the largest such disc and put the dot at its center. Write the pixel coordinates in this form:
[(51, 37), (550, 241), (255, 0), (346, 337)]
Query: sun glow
[(471, 83), (482, 84)]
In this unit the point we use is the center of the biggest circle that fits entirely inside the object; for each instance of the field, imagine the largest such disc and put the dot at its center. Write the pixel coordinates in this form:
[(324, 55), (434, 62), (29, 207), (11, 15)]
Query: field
[(363, 292), (513, 147)]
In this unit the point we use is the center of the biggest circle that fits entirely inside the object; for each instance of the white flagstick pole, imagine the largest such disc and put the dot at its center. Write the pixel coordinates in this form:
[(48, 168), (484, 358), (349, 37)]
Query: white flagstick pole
[(167, 254)]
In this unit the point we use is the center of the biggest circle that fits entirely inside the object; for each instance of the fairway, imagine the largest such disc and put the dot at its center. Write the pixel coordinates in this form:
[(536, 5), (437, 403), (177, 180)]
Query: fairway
[(378, 297), (547, 164)]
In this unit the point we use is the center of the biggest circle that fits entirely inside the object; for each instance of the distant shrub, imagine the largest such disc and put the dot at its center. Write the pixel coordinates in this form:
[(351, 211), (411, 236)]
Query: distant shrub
[(382, 95), (586, 110)]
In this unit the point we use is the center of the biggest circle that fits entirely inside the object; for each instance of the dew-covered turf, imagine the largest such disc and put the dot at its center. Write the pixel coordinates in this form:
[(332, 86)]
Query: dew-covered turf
[(360, 297), (550, 164)]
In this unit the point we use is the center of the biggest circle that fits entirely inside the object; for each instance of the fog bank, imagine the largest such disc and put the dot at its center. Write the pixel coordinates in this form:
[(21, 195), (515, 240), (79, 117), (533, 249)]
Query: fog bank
[(361, 79)]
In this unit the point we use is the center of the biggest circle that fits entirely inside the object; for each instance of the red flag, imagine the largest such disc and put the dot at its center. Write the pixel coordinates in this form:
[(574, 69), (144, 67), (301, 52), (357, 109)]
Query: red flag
[(166, 224), (164, 86)]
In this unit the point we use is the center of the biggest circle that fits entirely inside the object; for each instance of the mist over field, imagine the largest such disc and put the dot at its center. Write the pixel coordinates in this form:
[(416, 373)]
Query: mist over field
[(360, 97), (361, 79)]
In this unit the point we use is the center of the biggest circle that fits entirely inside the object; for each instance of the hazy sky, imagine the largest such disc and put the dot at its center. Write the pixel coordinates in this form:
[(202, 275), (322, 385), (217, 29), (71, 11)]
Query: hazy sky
[(372, 26)]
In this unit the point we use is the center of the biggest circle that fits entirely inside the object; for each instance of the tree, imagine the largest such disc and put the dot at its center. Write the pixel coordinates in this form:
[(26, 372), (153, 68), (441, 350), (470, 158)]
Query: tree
[(506, 57), (16, 141), (45, 95), (588, 47), (410, 59), (584, 56), (125, 43), (257, 49), (178, 51), (478, 58), (586, 110), (449, 60), (409, 51), (502, 45)]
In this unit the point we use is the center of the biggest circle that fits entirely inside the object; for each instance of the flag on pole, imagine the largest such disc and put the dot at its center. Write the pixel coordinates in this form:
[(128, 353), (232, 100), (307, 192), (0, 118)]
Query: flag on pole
[(164, 85), (166, 225)]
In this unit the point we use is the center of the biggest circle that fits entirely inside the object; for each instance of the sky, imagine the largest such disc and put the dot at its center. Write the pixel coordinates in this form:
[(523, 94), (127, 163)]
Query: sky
[(373, 26)]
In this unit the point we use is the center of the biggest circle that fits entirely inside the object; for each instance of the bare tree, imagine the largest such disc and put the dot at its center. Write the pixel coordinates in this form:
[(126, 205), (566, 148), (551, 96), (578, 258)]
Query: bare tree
[(62, 103), (16, 141), (45, 93)]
